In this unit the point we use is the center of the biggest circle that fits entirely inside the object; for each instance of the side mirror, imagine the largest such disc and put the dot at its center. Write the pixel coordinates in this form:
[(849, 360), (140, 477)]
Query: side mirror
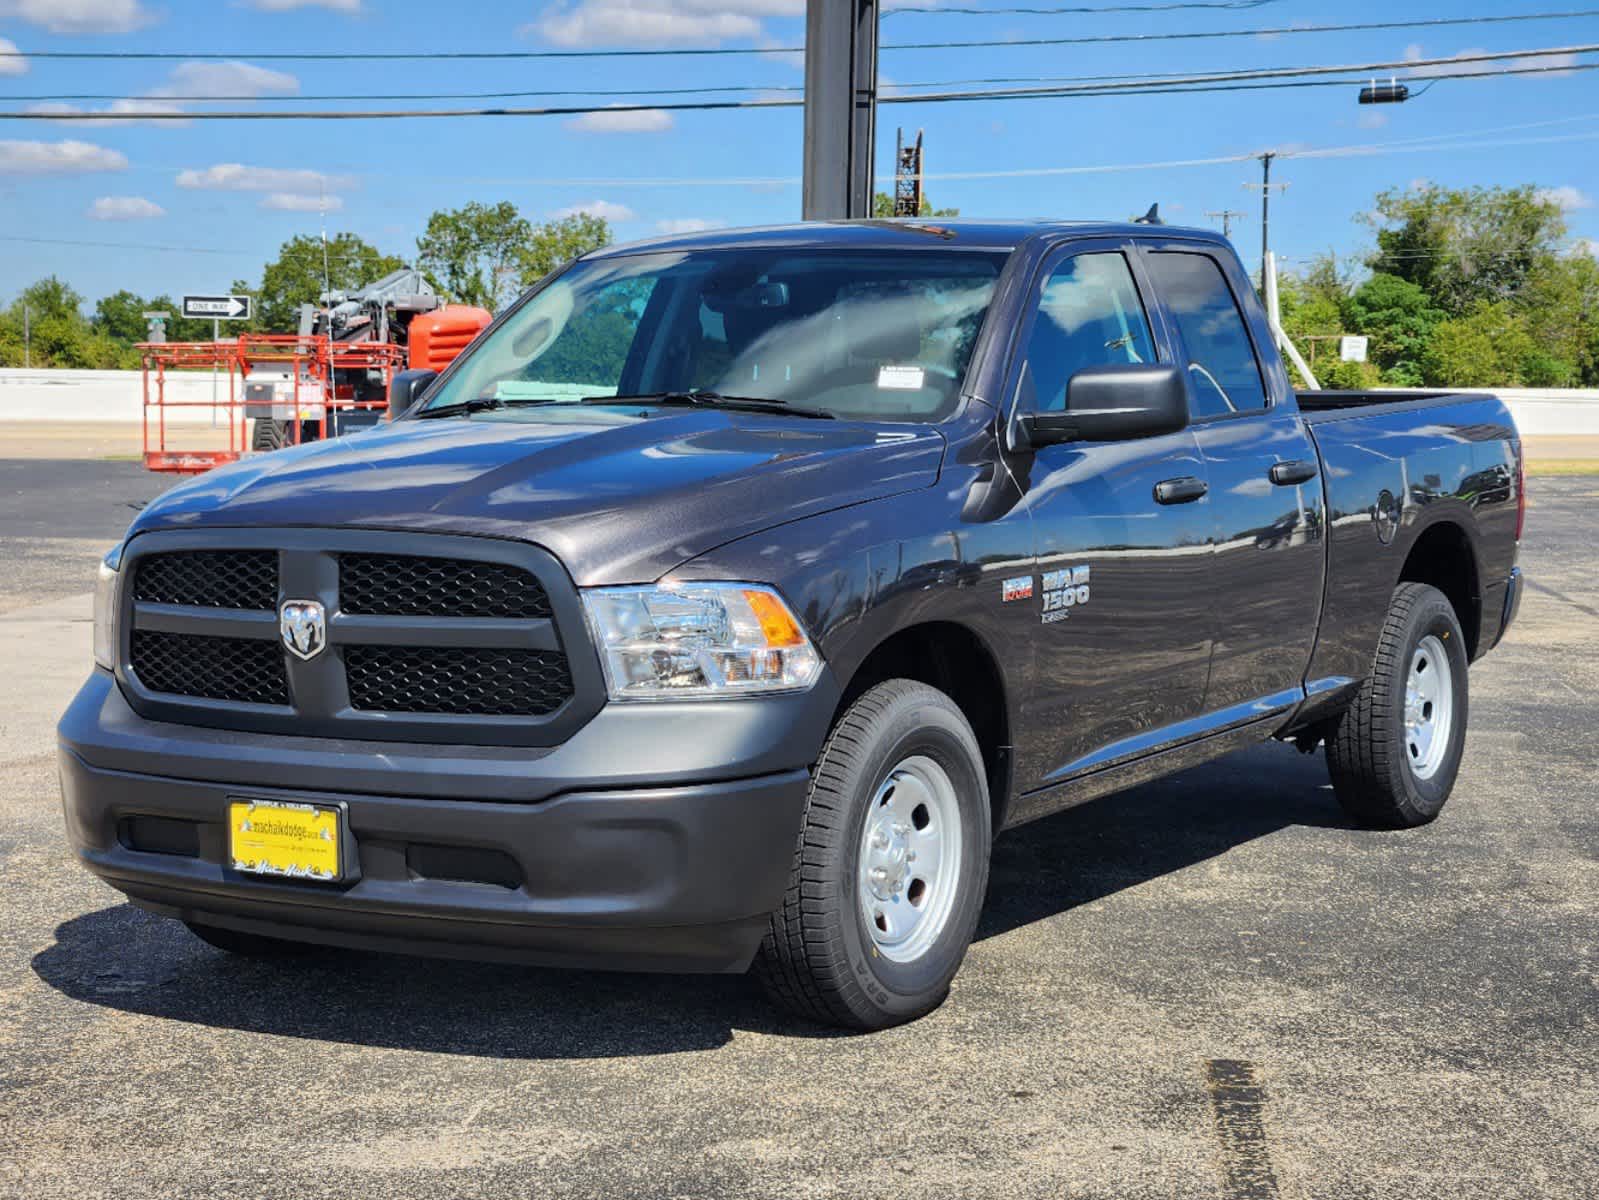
[(406, 390), (1112, 403)]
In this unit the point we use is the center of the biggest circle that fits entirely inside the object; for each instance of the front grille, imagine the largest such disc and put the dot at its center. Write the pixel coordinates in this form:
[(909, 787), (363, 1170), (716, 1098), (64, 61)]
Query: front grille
[(408, 585), (427, 636), (244, 670), (209, 579), (448, 679)]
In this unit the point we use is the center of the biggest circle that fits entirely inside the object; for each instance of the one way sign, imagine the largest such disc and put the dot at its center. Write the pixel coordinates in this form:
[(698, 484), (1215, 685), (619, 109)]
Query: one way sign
[(218, 308)]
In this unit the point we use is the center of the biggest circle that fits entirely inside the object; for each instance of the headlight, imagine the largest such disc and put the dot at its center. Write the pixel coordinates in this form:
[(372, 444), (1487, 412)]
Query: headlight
[(699, 640), (105, 610)]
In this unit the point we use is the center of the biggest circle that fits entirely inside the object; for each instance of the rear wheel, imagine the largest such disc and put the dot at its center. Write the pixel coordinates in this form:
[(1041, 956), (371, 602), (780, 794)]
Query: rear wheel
[(1395, 752), (890, 867)]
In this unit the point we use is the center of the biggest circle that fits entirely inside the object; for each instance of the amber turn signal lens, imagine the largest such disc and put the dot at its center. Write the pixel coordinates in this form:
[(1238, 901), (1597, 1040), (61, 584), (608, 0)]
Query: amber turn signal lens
[(776, 624)]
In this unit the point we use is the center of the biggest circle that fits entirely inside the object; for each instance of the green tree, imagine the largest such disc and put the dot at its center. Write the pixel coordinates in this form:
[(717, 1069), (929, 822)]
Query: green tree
[(1488, 347), (54, 331), (1399, 319), (295, 277), (883, 206), (472, 253), (1465, 246), (120, 316), (555, 243)]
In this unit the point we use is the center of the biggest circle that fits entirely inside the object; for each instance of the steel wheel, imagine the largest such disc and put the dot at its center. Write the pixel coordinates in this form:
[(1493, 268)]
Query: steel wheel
[(1429, 707), (910, 859)]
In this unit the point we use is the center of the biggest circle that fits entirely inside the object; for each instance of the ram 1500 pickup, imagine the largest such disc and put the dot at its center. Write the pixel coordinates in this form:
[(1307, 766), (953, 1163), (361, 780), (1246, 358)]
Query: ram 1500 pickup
[(733, 591)]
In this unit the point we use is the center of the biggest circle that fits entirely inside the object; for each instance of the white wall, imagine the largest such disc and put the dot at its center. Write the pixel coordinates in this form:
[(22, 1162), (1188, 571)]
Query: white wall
[(117, 396), (104, 396)]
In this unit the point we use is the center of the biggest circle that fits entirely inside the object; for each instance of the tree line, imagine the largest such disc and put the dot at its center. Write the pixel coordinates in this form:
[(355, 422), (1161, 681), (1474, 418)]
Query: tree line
[(479, 254), (1466, 287)]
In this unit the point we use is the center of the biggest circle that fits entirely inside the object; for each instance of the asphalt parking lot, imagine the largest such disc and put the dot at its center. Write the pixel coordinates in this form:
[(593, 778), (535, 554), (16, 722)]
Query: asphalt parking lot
[(1211, 986)]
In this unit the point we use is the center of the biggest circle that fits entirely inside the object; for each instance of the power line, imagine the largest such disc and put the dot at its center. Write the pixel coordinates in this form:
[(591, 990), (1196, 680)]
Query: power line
[(725, 51), (896, 10), (1214, 81)]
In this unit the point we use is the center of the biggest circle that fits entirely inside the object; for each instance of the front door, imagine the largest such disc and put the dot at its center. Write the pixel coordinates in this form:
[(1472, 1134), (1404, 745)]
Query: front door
[(1122, 592), (1265, 498)]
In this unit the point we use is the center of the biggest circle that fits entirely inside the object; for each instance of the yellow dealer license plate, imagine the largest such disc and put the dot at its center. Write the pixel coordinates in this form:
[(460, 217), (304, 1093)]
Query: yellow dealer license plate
[(276, 837)]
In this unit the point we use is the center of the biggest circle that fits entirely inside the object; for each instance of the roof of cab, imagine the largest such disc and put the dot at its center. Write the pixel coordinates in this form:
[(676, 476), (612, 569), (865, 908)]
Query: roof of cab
[(899, 234)]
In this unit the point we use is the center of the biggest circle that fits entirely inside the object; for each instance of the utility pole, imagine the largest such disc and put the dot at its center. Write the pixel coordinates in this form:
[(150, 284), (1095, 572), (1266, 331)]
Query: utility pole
[(1225, 216), (27, 336), (840, 108), (1265, 186), (907, 175)]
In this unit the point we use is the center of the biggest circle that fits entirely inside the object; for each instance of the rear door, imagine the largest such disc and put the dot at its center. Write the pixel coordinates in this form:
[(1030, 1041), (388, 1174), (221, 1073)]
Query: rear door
[(1122, 591), (1265, 504)]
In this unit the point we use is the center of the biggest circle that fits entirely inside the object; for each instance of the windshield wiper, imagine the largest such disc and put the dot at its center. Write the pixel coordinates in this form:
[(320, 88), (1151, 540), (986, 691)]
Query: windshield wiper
[(704, 398), (487, 404)]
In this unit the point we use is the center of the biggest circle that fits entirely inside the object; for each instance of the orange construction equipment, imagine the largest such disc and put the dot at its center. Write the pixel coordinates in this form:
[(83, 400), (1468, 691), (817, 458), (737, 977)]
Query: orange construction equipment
[(312, 367), (438, 337)]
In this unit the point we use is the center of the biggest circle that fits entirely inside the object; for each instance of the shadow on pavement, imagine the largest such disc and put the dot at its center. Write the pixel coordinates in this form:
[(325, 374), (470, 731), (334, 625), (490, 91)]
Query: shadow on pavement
[(125, 959)]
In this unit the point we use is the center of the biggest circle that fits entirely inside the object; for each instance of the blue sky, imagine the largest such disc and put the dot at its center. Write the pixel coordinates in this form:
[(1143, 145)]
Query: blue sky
[(193, 206)]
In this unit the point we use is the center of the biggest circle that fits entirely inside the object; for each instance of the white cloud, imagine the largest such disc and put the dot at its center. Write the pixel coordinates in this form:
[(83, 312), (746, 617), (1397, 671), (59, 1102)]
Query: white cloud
[(11, 66), (637, 120), (152, 112), (1567, 198), (236, 177), (57, 158), (290, 202), (125, 208), (1371, 119), (604, 209), (79, 16), (1551, 66), (689, 224), (162, 104), (348, 6), (657, 22), (230, 78)]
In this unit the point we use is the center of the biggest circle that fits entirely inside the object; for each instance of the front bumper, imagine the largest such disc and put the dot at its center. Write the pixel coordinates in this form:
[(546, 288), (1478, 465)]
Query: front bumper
[(475, 852)]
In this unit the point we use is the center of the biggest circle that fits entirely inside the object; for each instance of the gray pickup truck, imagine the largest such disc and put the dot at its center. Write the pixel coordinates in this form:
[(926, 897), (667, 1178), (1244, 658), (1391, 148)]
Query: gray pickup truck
[(733, 591)]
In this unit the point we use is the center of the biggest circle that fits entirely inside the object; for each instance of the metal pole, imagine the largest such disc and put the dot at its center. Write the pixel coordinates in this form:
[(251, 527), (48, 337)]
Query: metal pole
[(1265, 213), (840, 108), (216, 336), (27, 336)]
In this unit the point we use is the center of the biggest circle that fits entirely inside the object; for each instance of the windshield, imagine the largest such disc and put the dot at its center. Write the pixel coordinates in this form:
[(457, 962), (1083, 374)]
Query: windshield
[(872, 335)]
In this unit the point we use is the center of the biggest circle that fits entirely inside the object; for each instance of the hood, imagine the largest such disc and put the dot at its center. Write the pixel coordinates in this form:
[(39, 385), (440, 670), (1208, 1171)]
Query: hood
[(617, 497)]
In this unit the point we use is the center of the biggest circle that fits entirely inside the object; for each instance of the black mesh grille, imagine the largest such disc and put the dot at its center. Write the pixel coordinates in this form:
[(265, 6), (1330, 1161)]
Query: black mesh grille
[(432, 679), (408, 585), (210, 579), (216, 668)]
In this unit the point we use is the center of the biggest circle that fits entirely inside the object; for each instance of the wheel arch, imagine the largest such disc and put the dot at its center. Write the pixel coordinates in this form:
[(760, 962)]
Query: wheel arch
[(958, 661), (1444, 556)]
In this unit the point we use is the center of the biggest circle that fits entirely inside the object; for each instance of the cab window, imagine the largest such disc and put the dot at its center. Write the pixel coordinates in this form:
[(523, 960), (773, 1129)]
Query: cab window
[(1089, 315), (1223, 371)]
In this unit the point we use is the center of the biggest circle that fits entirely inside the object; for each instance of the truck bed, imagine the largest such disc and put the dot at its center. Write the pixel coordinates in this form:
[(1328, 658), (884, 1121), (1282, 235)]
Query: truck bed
[(1327, 405)]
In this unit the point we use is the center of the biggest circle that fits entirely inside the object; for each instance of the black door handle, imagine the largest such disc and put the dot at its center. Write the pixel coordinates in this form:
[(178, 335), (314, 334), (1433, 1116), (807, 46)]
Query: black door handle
[(1180, 490), (1293, 471)]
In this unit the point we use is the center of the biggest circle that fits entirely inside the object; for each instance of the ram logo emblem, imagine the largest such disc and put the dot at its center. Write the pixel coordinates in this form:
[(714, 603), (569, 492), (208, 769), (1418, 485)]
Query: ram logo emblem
[(303, 625), (1064, 590)]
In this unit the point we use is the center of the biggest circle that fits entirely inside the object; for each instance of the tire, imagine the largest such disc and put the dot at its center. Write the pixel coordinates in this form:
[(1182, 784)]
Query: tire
[(1387, 770), (248, 945), (267, 434), (877, 795)]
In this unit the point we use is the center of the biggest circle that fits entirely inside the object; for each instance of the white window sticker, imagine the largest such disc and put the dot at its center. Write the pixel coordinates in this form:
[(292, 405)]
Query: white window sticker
[(900, 379)]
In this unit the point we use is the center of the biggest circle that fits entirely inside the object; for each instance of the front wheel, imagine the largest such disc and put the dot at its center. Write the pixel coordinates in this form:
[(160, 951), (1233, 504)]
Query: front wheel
[(1394, 753), (890, 866)]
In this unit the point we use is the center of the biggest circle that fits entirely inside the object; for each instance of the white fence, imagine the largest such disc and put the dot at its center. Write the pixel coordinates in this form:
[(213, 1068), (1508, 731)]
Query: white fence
[(118, 396)]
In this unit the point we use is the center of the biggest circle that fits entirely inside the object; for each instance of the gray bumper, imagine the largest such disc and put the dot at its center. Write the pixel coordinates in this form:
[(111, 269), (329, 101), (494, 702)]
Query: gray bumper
[(567, 856)]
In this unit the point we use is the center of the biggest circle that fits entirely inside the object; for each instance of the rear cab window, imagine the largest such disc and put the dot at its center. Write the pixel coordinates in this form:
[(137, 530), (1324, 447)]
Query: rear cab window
[(1224, 371)]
